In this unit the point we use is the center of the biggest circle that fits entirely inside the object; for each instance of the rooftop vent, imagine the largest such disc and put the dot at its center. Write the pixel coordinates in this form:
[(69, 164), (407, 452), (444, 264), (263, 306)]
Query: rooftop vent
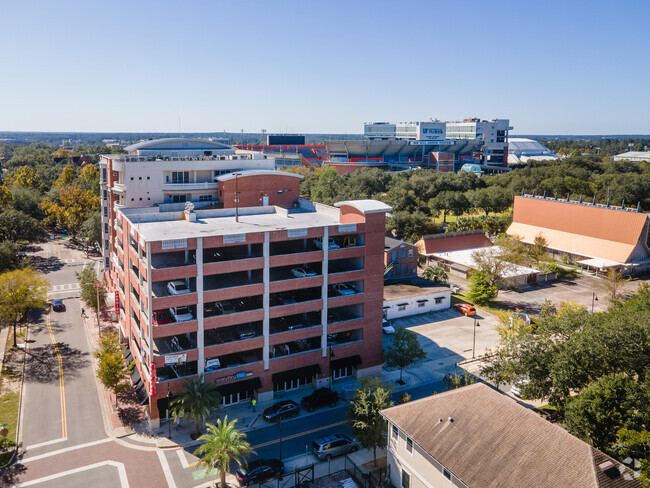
[(450, 419), (609, 468)]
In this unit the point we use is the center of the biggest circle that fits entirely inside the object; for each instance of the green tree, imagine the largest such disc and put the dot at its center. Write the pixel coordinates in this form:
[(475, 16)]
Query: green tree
[(6, 198), (538, 250), (111, 370), (8, 256), (88, 178), (636, 444), (91, 288), (368, 425), (611, 403), (435, 273), (449, 201), (613, 283), (490, 199), (66, 177), (480, 290), (404, 351), (328, 188), (493, 264), (21, 290), (222, 444), (26, 177), (195, 401), (17, 226), (92, 228), (410, 226), (74, 205)]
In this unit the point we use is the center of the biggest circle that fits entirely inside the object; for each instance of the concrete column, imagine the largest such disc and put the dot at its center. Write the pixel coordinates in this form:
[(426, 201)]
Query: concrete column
[(199, 304), (323, 315), (149, 305), (266, 277)]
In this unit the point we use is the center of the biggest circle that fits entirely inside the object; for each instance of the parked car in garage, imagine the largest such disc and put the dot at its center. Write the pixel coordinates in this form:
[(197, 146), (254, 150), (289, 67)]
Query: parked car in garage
[(181, 314), (303, 272), (318, 241), (342, 289), (177, 287), (162, 317)]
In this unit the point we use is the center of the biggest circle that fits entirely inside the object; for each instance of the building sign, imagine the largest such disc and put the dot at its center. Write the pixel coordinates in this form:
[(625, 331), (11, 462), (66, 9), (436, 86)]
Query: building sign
[(234, 238), (431, 143), (117, 302), (236, 376), (153, 379), (347, 228), (297, 233), (175, 359)]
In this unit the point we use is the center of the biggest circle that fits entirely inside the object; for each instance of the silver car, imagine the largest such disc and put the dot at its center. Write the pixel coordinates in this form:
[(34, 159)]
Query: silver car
[(334, 445)]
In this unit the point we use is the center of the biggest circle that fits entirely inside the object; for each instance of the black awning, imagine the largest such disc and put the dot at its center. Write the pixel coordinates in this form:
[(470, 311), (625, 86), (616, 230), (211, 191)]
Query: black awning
[(135, 376), (311, 370), (240, 387), (422, 300), (353, 361), (128, 357), (402, 304)]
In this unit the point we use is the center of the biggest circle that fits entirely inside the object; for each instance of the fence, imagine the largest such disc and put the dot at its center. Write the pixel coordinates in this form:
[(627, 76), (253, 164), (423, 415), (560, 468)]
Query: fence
[(335, 470)]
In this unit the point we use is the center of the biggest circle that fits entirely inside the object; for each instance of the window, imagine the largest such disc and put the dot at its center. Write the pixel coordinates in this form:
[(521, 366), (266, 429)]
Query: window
[(439, 299), (446, 474), (178, 198), (410, 253), (406, 480), (421, 304), (402, 306), (395, 432), (409, 445), (402, 254), (205, 198), (405, 268), (180, 176), (148, 177)]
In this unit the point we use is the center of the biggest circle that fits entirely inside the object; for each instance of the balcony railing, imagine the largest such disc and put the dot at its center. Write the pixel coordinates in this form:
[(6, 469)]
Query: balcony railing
[(119, 187), (205, 185)]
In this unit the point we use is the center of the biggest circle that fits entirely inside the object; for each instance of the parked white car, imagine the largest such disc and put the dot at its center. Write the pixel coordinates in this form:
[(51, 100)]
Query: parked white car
[(343, 289), (388, 329), (303, 272), (330, 243), (181, 314), (177, 287)]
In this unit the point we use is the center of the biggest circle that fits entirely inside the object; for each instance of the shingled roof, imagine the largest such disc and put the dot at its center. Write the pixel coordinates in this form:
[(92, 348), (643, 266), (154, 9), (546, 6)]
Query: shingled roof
[(493, 441)]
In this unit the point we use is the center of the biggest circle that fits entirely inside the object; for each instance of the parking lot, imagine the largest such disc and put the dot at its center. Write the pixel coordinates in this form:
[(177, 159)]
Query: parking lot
[(447, 336)]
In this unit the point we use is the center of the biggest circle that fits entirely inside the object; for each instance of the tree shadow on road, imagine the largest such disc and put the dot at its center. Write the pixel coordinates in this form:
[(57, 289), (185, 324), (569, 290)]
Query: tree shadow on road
[(9, 475), (42, 363), (528, 308), (45, 265)]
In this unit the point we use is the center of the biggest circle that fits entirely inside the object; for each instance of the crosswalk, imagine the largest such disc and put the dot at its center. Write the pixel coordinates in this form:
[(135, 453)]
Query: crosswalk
[(65, 288)]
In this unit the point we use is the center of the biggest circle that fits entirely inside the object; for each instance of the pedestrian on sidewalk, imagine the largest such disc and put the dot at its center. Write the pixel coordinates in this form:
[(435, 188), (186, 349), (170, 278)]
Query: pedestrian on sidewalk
[(178, 423), (253, 404), (478, 324), (83, 312)]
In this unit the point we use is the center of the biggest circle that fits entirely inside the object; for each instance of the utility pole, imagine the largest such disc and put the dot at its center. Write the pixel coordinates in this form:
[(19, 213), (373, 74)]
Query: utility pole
[(474, 340)]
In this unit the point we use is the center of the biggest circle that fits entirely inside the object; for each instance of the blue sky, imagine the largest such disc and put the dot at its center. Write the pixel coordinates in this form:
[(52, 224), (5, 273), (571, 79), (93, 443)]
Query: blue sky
[(552, 67)]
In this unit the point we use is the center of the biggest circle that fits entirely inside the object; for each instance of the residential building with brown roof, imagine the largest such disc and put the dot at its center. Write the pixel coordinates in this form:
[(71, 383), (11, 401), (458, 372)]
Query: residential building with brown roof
[(477, 437), (606, 236), (400, 259), (452, 241)]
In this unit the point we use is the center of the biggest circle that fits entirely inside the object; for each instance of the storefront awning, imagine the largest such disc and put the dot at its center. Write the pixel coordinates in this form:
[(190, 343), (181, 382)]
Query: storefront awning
[(143, 396), (240, 387), (311, 370), (353, 361)]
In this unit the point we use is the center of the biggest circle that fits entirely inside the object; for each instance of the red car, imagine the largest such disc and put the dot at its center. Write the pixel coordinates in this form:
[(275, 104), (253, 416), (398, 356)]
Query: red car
[(465, 309), (162, 317)]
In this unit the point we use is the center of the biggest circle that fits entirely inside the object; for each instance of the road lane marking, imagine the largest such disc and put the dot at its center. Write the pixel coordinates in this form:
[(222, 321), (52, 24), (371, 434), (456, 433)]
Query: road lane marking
[(64, 420), (124, 480), (67, 449), (47, 443), (299, 434), (182, 458), (165, 467)]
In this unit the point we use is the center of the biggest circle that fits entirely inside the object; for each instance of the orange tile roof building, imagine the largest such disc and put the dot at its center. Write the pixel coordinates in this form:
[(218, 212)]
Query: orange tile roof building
[(608, 236)]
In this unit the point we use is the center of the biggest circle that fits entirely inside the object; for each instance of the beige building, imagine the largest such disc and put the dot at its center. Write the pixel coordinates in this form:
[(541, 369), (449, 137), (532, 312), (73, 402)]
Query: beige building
[(477, 437)]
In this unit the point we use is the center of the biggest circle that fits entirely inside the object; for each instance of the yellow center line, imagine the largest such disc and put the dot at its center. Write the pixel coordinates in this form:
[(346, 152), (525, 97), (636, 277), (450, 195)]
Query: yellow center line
[(64, 421), (289, 437)]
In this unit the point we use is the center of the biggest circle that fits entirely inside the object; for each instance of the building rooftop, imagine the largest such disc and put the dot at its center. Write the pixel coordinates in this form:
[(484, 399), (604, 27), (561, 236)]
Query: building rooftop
[(390, 243), (366, 206), (488, 440), (257, 172), (465, 257), (176, 143), (411, 289), (452, 241)]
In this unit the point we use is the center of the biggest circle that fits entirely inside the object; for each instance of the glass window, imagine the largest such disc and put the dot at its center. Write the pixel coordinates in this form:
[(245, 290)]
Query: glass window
[(410, 253), (406, 480), (446, 474), (395, 432), (409, 445)]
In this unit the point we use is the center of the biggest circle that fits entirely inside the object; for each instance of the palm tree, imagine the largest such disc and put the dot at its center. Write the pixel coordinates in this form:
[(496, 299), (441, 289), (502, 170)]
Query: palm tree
[(195, 401), (222, 444), (435, 273)]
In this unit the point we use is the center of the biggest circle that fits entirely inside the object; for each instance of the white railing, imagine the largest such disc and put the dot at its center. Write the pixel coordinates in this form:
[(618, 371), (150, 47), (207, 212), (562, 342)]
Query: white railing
[(205, 185)]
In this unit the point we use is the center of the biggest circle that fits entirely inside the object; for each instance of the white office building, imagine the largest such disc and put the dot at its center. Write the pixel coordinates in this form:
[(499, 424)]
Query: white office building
[(493, 134), (433, 130)]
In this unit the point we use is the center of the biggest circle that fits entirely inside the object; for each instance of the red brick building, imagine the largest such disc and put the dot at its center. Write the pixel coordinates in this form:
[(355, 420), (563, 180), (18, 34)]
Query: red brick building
[(265, 285), (400, 259)]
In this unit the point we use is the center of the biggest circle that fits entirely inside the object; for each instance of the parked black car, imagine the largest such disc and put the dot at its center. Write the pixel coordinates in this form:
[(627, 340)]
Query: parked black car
[(259, 470), (320, 398), (281, 410)]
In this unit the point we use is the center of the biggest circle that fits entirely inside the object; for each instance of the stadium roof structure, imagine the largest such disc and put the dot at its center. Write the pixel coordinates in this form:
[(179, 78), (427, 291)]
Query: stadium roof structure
[(636, 156), (394, 148), (175, 143), (521, 150), (582, 229)]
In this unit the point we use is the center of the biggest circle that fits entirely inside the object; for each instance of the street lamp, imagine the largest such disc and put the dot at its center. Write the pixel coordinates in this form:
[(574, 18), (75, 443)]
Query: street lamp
[(169, 420), (474, 340), (236, 197), (329, 368), (594, 298)]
